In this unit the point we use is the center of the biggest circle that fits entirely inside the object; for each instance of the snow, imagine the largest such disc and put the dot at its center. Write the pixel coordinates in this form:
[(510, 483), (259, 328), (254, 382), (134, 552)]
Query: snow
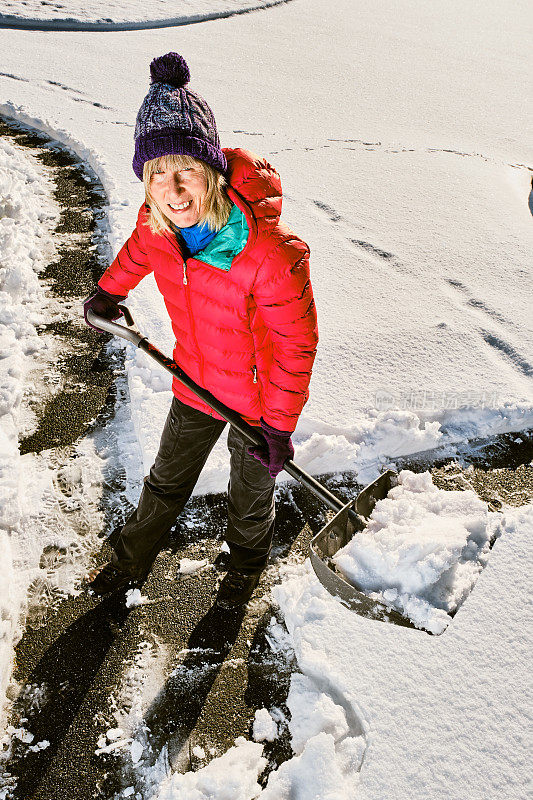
[(189, 566), (396, 199), (319, 772), (114, 733), (264, 728), (26, 214), (25, 243), (233, 776), (98, 15), (136, 751), (9, 612), (49, 514), (35, 748), (134, 598), (405, 167), (21, 734), (312, 712), (422, 550), (112, 747)]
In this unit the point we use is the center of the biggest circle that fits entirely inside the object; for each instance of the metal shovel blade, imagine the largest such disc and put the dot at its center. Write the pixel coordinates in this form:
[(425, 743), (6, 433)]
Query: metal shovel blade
[(335, 535)]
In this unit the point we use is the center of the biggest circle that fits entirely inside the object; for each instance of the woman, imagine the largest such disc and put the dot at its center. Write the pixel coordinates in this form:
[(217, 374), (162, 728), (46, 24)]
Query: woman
[(235, 281)]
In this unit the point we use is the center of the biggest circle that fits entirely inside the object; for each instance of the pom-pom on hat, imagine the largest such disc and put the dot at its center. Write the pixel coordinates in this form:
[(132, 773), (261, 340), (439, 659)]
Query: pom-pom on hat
[(172, 69), (173, 119)]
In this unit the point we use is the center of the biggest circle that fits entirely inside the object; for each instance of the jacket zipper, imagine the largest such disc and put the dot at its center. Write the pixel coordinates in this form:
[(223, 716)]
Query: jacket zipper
[(189, 310), (255, 374), (191, 321)]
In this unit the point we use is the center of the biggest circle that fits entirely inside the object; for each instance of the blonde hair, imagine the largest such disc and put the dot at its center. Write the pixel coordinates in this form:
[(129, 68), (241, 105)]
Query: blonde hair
[(216, 206)]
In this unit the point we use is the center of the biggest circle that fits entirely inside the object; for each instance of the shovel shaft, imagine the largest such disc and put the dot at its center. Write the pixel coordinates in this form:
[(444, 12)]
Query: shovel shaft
[(254, 435)]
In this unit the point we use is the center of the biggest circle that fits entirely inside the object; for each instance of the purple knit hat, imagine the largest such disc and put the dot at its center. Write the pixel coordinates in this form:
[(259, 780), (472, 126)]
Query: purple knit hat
[(173, 119)]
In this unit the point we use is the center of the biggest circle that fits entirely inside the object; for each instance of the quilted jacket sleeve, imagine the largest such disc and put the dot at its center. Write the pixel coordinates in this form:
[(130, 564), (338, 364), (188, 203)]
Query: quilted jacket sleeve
[(284, 298), (129, 267)]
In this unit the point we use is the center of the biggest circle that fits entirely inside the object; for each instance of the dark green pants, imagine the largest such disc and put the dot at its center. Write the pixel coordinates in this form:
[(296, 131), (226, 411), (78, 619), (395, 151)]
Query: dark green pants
[(188, 438)]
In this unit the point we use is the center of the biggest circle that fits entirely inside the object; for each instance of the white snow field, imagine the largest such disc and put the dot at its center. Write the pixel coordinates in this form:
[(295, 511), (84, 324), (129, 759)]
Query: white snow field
[(130, 14), (399, 133)]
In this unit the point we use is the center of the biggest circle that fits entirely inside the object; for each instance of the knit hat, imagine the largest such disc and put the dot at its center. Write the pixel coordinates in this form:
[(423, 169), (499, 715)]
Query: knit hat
[(173, 119)]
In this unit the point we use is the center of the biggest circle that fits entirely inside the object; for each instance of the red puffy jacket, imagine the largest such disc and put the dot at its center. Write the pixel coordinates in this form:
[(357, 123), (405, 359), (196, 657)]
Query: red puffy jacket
[(248, 335)]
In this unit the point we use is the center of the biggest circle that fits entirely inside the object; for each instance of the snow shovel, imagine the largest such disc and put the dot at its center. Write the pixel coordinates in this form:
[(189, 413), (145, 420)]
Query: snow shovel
[(349, 518)]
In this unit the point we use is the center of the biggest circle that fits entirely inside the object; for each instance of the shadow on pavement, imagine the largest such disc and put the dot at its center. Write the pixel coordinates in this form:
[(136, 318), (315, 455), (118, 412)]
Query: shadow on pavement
[(174, 713), (56, 688)]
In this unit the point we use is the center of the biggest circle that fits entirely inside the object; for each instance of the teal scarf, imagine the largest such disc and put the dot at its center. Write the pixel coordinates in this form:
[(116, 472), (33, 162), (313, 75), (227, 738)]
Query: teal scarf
[(218, 249)]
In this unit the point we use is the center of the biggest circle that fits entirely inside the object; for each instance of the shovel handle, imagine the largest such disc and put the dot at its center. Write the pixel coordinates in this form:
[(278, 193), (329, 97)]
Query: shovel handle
[(254, 435)]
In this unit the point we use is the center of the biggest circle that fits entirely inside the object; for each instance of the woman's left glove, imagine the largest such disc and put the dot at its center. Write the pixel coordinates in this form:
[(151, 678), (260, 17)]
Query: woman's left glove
[(279, 449)]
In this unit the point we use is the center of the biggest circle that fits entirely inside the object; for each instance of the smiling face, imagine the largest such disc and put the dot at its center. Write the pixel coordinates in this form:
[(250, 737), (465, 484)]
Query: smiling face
[(179, 193)]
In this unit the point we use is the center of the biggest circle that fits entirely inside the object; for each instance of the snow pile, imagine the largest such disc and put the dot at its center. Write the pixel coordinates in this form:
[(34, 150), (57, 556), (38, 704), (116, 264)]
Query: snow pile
[(312, 712), (422, 550), (189, 566), (328, 749), (24, 247), (100, 15), (50, 511), (264, 727), (233, 776), (134, 598), (9, 610), (321, 771)]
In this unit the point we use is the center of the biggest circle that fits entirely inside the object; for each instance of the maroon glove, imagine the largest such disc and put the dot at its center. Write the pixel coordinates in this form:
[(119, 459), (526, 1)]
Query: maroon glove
[(279, 449), (104, 305)]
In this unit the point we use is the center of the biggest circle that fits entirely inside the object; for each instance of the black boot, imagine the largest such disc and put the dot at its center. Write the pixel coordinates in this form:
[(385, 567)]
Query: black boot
[(109, 579), (236, 589), (222, 561)]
